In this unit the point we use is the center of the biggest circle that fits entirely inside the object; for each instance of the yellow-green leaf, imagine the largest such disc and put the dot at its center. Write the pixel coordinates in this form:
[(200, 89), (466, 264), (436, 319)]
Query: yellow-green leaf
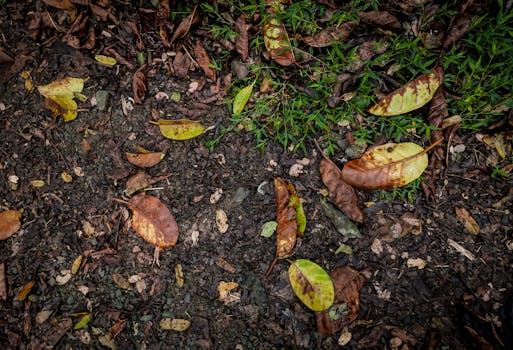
[(268, 229), (181, 129), (311, 284), (240, 100), (84, 320), (277, 41), (386, 166), (106, 60), (60, 94), (411, 96)]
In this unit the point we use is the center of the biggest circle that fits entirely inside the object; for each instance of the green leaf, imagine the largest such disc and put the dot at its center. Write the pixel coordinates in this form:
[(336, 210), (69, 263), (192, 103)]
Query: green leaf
[(268, 229), (240, 100), (83, 321), (311, 284)]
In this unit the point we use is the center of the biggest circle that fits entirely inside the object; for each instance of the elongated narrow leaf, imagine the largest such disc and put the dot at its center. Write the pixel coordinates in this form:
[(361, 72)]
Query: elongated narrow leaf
[(311, 284), (386, 166), (295, 202), (240, 100), (277, 41), (181, 129), (286, 232), (145, 160), (342, 194), (203, 60), (411, 96)]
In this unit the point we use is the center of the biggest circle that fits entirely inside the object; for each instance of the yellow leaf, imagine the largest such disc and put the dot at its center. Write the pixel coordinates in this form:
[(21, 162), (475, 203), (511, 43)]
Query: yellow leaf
[(28, 80), (240, 100), (66, 177), (76, 264), (411, 96), (181, 129), (106, 60), (176, 324), (179, 275), (60, 94), (37, 183)]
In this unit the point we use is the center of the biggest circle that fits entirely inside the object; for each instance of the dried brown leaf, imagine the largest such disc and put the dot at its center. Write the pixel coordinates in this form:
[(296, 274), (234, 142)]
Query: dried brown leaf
[(184, 26), (277, 41), (145, 160), (181, 64), (25, 290), (117, 328), (9, 223), (342, 194), (140, 181), (164, 9), (347, 283), (4, 57), (328, 36), (60, 4), (286, 232), (241, 43), (139, 85), (380, 19), (3, 283), (468, 221), (458, 29), (203, 60)]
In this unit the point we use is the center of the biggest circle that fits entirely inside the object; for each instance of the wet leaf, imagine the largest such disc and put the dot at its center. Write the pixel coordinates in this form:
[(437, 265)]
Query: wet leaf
[(25, 290), (9, 223), (203, 60), (286, 217), (175, 324), (342, 194), (181, 129), (328, 36), (411, 96), (277, 41), (139, 85), (152, 220), (240, 100), (311, 284), (347, 284), (60, 94), (341, 222), (84, 321), (179, 275), (386, 166), (241, 42), (470, 224), (268, 229), (145, 160), (76, 264), (106, 60), (120, 281)]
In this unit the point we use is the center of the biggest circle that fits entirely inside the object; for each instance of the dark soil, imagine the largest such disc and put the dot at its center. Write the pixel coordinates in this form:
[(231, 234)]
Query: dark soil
[(452, 303)]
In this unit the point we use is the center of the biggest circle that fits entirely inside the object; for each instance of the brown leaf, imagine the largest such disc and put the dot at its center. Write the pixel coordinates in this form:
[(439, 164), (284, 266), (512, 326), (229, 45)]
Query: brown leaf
[(141, 180), (9, 223), (25, 290), (117, 328), (380, 19), (184, 26), (203, 60), (60, 4), (181, 64), (286, 232), (342, 194), (135, 31), (145, 160), (164, 9), (3, 283), (347, 283), (241, 43), (152, 220), (277, 41), (139, 85), (470, 224), (458, 29), (328, 36), (20, 61), (4, 57)]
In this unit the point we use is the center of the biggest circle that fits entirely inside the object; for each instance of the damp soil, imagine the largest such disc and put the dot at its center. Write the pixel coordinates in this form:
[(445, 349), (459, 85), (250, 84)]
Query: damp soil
[(401, 306)]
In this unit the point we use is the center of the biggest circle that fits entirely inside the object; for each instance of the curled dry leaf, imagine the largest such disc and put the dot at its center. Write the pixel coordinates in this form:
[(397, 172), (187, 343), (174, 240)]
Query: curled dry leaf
[(342, 194), (386, 166), (140, 181), (328, 36), (241, 43), (184, 26), (152, 220), (145, 160), (181, 129), (277, 41), (311, 284), (203, 60), (347, 283), (411, 96), (9, 223), (139, 85)]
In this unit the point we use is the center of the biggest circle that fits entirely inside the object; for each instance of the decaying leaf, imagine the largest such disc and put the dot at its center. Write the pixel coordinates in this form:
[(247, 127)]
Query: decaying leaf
[(240, 100), (145, 160), (76, 264), (411, 96), (328, 36), (121, 281), (140, 181), (386, 166), (175, 324), (311, 284), (241, 43), (179, 275), (25, 290), (9, 223), (225, 294), (268, 229), (152, 220), (106, 60), (203, 60), (342, 194), (221, 221), (380, 18), (139, 85), (341, 222), (286, 217), (184, 26), (181, 129), (347, 284), (3, 283), (60, 96), (470, 224), (277, 41)]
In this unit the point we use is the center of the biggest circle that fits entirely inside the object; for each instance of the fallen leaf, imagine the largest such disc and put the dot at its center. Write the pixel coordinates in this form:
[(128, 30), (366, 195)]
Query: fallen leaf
[(164, 9), (341, 222), (25, 290), (29, 85), (340, 192), (106, 60), (120, 281), (60, 4), (344, 248), (84, 321), (175, 324), (203, 60), (66, 177), (225, 265), (311, 284), (380, 19), (43, 316), (241, 42), (347, 284), (76, 264), (268, 229), (4, 57), (63, 277), (240, 100), (117, 328), (184, 26), (179, 275), (145, 160), (181, 129), (277, 41), (411, 96), (3, 283), (224, 289), (470, 224), (386, 166), (286, 217), (140, 181), (152, 220), (9, 223), (417, 262), (221, 221), (60, 94), (139, 85), (328, 36)]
